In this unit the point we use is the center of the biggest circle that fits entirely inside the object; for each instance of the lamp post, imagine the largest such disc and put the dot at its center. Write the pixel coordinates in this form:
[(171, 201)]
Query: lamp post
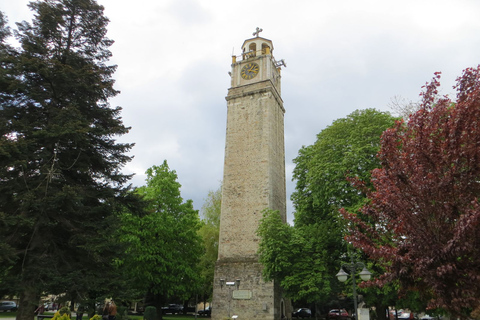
[(230, 285), (352, 268)]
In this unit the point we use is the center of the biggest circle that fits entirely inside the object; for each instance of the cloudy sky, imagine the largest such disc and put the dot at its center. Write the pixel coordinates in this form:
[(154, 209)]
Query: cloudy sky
[(174, 56)]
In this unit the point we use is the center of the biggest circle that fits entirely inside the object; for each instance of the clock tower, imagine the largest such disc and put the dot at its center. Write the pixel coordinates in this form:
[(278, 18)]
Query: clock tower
[(253, 180)]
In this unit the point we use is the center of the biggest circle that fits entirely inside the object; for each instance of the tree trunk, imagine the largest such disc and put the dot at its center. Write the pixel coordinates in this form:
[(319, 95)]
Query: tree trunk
[(28, 301), (158, 303), (382, 312), (185, 307), (72, 305), (91, 309)]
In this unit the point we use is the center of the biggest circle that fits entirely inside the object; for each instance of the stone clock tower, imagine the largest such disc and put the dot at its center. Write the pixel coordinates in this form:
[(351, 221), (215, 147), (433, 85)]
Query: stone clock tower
[(253, 180)]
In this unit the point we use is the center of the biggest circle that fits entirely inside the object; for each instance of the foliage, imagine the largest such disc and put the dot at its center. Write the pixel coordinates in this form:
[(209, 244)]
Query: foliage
[(64, 311), (475, 314), (96, 317), (346, 148), (150, 313), (60, 179), (62, 314), (164, 247), (6, 54), (403, 107), (286, 255), (306, 257), (122, 313), (4, 30), (209, 232), (424, 208)]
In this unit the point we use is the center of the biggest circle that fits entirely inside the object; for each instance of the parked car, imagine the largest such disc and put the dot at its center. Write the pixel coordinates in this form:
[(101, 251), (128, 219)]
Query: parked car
[(7, 306), (338, 314), (302, 313), (207, 312), (172, 308), (407, 316)]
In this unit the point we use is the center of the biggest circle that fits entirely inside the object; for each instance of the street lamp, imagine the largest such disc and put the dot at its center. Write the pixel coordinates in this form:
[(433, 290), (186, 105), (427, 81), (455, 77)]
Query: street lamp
[(352, 268)]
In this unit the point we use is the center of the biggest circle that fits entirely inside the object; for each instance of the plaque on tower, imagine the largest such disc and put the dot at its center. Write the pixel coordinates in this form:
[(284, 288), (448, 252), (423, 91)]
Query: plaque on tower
[(242, 294)]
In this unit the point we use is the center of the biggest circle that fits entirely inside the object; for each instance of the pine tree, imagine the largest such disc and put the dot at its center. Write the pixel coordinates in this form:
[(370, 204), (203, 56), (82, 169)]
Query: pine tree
[(60, 180)]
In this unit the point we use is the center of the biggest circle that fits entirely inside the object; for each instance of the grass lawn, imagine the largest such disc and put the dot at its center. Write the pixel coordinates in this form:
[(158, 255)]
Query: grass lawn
[(168, 317), (7, 315), (130, 317)]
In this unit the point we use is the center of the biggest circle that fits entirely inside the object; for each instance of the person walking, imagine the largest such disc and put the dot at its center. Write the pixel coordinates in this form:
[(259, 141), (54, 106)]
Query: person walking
[(106, 307), (40, 310), (110, 311)]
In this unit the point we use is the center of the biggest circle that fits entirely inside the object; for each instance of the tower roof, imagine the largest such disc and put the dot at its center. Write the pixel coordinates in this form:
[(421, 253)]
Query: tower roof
[(256, 46), (258, 40), (251, 46)]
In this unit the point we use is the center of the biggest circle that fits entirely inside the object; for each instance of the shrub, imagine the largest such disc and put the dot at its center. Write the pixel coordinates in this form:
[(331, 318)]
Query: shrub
[(62, 314), (150, 313), (64, 310), (121, 313)]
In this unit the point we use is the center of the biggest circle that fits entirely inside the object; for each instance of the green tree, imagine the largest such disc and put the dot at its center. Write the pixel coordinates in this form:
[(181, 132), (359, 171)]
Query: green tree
[(286, 255), (164, 246), (6, 54), (305, 257), (6, 80), (60, 178), (345, 149), (4, 29), (210, 232)]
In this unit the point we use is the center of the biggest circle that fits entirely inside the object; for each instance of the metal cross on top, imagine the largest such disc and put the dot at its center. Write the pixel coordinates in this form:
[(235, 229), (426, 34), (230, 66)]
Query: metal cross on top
[(256, 33)]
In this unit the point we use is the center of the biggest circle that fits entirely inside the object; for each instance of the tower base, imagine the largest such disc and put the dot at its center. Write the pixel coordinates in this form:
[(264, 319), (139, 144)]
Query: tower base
[(239, 290)]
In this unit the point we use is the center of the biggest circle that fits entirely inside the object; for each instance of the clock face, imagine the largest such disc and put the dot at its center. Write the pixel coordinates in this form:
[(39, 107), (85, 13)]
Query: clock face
[(250, 70)]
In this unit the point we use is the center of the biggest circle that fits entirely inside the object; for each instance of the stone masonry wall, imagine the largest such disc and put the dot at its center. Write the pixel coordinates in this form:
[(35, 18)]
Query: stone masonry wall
[(254, 170), (254, 180)]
